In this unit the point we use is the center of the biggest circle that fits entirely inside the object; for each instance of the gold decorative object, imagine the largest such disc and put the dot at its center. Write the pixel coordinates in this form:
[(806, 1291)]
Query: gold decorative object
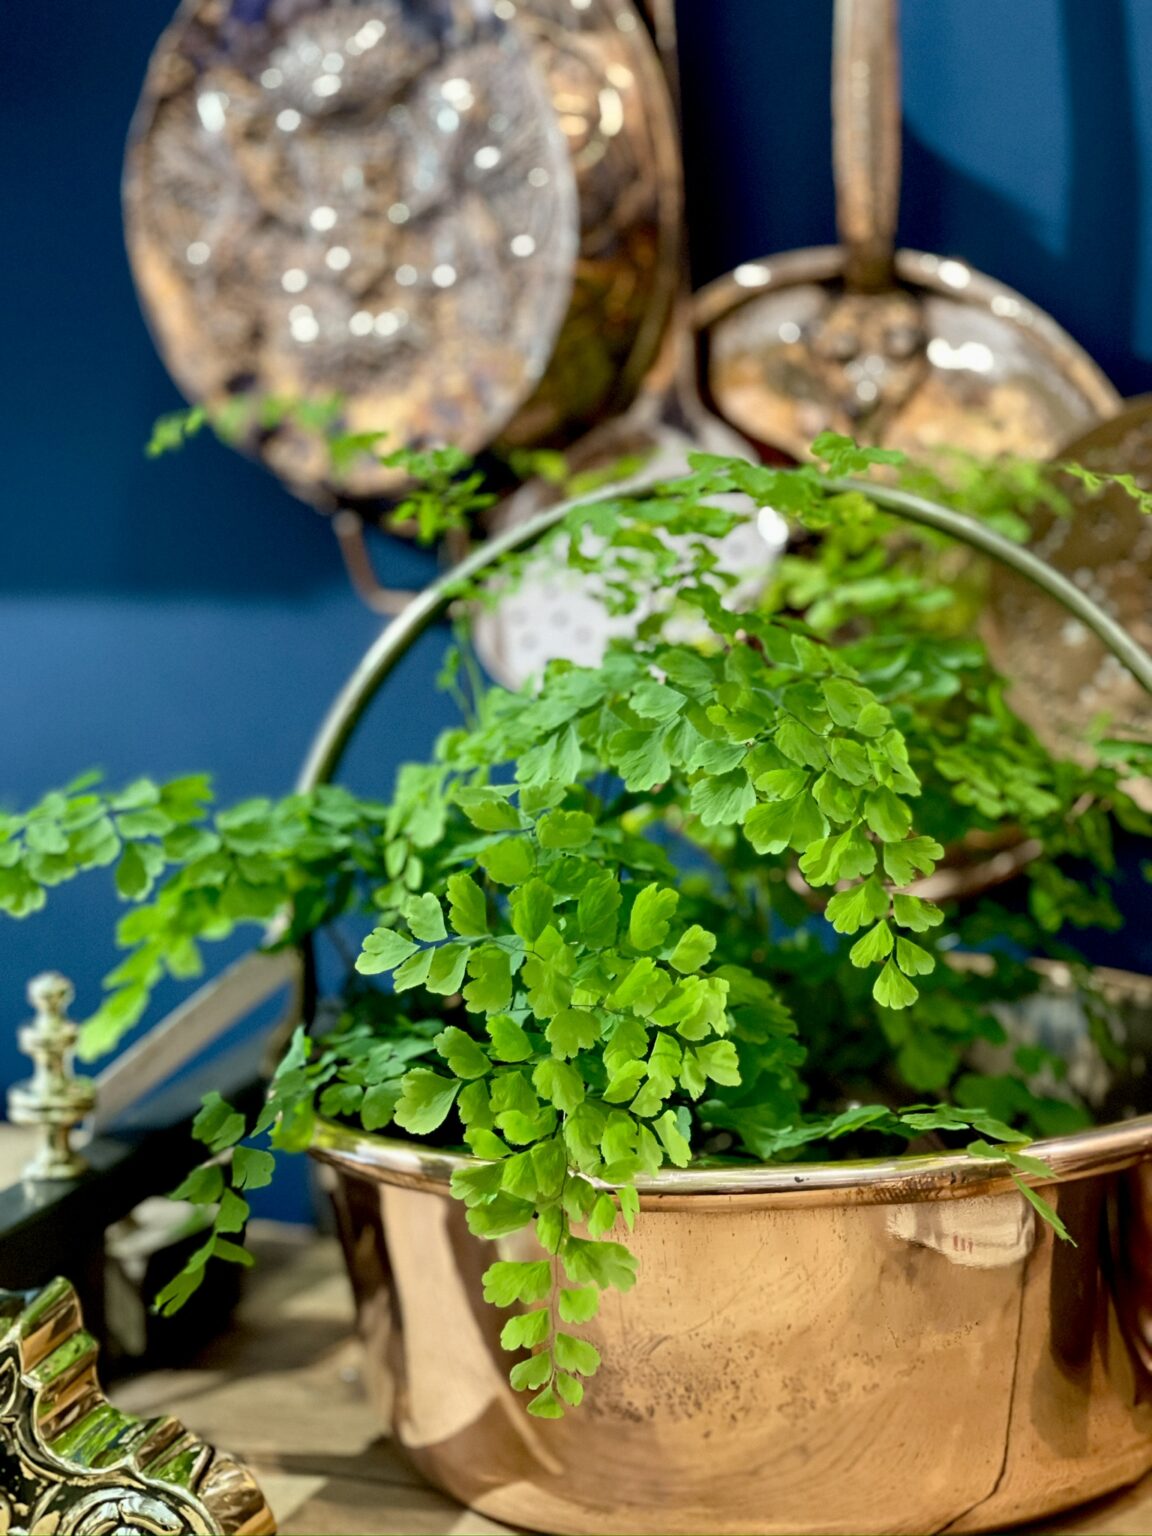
[(72, 1465), (911, 350), (53, 1098), (1064, 679)]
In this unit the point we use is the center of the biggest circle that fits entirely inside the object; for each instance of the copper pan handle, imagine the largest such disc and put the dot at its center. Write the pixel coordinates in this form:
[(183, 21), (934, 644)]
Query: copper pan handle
[(866, 138), (660, 16), (351, 538)]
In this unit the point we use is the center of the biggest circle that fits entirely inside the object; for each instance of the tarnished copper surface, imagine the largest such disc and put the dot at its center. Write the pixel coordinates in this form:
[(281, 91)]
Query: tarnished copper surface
[(1064, 680), (452, 214), (855, 1349)]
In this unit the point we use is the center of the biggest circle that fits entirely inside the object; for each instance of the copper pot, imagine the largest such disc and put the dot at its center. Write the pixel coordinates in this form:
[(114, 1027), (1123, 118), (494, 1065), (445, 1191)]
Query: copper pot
[(846, 1347), (456, 216), (869, 1347)]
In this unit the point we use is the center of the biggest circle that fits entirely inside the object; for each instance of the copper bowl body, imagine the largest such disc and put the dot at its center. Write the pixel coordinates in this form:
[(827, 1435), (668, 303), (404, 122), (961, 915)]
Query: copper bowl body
[(869, 1347)]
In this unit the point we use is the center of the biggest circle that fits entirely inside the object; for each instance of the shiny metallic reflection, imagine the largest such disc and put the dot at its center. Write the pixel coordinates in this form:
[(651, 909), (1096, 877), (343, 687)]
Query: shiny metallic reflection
[(836, 1350), (459, 157), (948, 359)]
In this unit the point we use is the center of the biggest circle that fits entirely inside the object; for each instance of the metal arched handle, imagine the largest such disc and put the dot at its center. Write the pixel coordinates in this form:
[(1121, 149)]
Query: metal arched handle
[(331, 741), (221, 1003), (866, 138)]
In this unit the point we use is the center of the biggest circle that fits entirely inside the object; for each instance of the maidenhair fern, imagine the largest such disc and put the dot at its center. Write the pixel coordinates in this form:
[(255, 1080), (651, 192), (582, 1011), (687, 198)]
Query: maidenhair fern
[(657, 911)]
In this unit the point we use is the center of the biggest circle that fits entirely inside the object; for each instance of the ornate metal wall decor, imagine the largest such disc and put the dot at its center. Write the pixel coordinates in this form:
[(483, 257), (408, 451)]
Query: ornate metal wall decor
[(450, 213), (72, 1465)]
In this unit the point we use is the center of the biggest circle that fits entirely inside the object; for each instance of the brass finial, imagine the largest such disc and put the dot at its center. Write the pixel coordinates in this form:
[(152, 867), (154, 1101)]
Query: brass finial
[(53, 1098)]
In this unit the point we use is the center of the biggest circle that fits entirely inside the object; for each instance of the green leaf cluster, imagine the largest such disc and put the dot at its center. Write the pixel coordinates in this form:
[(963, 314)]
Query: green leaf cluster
[(662, 910)]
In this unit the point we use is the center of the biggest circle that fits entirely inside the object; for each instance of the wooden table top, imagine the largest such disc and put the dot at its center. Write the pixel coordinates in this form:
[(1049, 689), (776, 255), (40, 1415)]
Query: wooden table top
[(282, 1389)]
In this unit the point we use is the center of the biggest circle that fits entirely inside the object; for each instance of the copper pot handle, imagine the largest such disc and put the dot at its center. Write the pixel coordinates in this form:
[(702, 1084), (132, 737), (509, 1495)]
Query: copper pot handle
[(866, 138), (376, 665), (352, 541)]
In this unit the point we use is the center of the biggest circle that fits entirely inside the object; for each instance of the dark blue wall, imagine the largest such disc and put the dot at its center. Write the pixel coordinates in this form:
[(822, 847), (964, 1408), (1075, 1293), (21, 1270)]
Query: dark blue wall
[(168, 616)]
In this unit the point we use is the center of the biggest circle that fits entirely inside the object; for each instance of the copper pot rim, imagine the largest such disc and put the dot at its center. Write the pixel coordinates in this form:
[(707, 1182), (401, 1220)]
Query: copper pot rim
[(875, 1181)]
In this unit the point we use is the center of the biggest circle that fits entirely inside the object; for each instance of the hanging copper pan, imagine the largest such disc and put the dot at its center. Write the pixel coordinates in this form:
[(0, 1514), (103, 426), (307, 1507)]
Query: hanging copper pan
[(451, 213), (903, 348)]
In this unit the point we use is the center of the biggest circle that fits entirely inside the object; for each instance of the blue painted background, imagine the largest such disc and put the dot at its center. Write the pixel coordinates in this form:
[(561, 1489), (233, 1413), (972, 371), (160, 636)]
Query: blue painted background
[(168, 616)]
